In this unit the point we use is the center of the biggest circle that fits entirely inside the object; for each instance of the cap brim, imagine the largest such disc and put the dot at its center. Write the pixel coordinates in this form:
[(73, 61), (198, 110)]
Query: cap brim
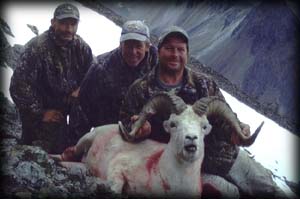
[(133, 36), (67, 16), (176, 32)]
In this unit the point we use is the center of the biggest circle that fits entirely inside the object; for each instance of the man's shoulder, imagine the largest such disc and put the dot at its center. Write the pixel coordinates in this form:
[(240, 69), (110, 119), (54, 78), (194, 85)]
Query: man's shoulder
[(80, 41), (153, 50), (83, 48), (197, 75), (109, 58), (140, 84), (38, 41), (140, 81), (153, 56), (204, 81), (96, 71)]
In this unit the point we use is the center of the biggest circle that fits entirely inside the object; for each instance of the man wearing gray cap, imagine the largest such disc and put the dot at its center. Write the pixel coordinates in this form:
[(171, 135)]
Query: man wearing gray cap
[(47, 80), (106, 82)]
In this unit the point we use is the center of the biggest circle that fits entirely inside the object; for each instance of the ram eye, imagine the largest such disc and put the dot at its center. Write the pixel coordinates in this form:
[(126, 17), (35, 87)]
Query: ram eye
[(172, 124), (204, 127)]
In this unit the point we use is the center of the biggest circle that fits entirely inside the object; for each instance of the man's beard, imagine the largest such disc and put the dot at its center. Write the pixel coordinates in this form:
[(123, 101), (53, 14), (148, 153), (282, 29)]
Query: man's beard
[(170, 71), (62, 40)]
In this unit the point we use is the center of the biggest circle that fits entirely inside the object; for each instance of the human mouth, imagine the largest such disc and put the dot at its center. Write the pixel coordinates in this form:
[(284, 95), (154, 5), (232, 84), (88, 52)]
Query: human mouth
[(67, 36), (173, 63)]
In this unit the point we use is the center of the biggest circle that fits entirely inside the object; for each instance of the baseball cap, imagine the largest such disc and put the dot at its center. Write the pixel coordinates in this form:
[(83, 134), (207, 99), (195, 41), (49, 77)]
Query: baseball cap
[(172, 30), (136, 30), (66, 10)]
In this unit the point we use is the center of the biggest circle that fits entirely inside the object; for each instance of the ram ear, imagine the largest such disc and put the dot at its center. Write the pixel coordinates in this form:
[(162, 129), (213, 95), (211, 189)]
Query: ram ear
[(170, 123), (206, 127)]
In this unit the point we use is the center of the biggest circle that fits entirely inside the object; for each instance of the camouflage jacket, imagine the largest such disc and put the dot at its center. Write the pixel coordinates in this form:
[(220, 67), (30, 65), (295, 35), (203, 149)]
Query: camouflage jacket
[(48, 73), (106, 84), (194, 86), (220, 153)]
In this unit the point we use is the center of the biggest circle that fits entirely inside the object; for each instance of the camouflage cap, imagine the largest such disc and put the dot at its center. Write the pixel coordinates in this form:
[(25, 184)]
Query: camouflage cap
[(172, 30), (66, 10), (136, 30)]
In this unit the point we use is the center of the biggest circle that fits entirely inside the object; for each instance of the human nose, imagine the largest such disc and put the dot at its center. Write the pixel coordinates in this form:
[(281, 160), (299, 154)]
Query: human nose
[(133, 50), (174, 52), (69, 28)]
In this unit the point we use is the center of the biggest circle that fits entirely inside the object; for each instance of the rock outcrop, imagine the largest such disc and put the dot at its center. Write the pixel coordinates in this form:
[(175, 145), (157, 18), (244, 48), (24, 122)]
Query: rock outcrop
[(29, 172)]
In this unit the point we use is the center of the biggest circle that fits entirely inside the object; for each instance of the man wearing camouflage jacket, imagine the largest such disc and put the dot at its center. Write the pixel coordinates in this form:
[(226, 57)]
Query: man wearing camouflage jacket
[(171, 74), (47, 80), (107, 82)]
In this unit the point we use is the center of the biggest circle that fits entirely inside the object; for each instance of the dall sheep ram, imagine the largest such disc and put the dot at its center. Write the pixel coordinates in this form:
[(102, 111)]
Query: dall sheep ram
[(151, 168)]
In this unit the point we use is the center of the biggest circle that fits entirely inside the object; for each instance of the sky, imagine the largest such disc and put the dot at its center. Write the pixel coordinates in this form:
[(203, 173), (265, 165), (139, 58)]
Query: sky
[(275, 147)]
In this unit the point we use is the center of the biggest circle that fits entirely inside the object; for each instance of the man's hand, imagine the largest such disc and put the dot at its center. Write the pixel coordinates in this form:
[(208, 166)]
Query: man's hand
[(144, 131), (52, 116), (70, 98), (245, 129), (75, 93), (69, 154)]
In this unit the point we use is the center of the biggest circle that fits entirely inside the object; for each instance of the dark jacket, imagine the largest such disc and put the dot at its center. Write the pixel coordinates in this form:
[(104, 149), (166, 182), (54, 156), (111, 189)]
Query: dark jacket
[(106, 84), (47, 74), (195, 86)]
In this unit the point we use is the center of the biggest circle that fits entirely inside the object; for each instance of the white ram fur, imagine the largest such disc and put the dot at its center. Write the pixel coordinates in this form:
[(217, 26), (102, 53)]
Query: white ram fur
[(151, 168)]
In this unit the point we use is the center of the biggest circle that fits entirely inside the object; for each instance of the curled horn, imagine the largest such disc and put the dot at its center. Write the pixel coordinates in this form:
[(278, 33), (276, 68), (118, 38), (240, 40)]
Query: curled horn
[(217, 106), (163, 102)]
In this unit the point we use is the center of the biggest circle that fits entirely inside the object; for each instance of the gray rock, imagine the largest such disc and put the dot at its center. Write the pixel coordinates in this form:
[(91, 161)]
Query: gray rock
[(29, 171), (8, 55), (10, 122)]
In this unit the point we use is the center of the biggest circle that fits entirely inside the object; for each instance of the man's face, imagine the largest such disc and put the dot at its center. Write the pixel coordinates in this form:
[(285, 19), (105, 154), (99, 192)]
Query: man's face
[(65, 29), (173, 54), (133, 51)]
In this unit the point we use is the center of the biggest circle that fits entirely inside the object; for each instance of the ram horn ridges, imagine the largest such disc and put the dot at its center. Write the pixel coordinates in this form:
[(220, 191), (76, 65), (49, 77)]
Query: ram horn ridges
[(162, 102), (217, 106)]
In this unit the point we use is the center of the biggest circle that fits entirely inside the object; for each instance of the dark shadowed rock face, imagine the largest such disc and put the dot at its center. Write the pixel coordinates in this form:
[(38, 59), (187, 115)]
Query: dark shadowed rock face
[(250, 43), (9, 120), (8, 55), (29, 172)]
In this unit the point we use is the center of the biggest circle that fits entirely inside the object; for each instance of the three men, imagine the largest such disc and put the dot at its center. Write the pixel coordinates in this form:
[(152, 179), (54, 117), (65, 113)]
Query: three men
[(47, 80)]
